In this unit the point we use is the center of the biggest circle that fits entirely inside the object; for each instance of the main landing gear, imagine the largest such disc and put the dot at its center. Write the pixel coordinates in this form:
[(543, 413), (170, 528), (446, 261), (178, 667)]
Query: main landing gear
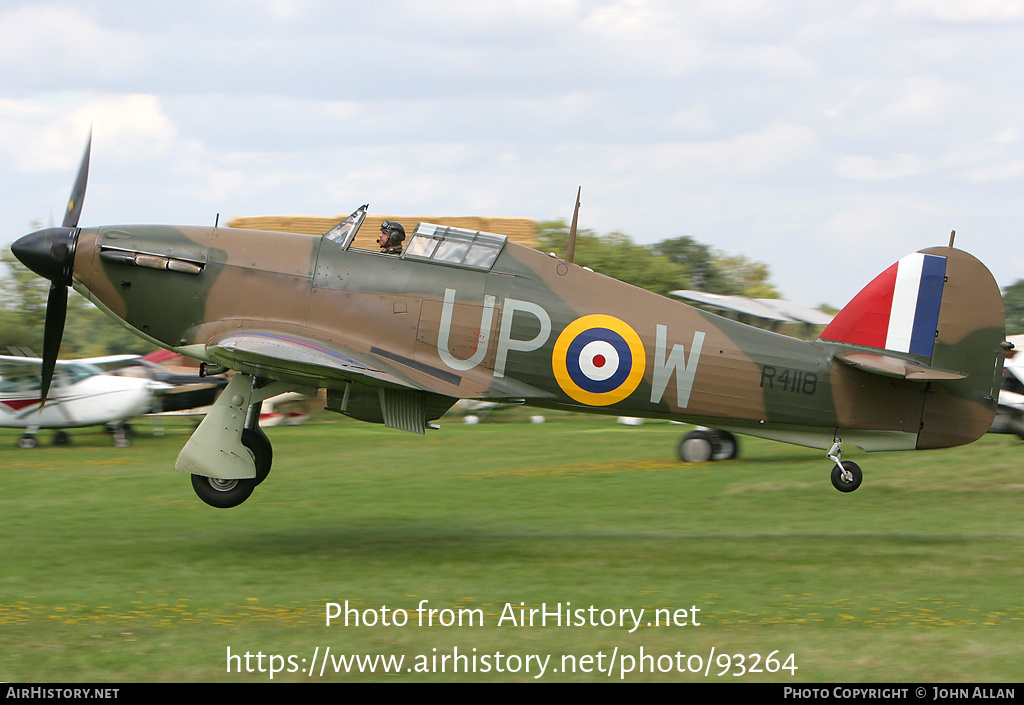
[(704, 444), (846, 474), (227, 493), (61, 438), (229, 455)]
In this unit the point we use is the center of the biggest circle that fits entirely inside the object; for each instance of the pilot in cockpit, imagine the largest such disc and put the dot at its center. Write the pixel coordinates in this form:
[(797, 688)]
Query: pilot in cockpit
[(392, 234)]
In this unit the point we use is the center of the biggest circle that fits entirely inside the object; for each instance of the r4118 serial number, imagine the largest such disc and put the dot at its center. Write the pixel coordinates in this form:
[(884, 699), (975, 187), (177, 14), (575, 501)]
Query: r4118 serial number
[(796, 381)]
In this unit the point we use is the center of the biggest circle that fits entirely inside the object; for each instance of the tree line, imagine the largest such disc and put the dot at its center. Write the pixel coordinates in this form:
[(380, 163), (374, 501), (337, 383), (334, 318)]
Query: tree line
[(88, 331), (1013, 306), (676, 263)]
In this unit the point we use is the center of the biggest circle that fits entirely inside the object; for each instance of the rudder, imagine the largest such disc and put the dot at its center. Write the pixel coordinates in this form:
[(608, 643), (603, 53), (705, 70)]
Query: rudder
[(969, 340)]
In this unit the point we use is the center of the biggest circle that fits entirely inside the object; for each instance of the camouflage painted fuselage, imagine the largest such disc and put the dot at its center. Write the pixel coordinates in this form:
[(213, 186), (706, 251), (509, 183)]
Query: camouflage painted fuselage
[(533, 328)]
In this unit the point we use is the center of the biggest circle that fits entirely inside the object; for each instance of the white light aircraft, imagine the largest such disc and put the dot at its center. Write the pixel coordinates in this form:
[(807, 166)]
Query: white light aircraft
[(1010, 413), (81, 395)]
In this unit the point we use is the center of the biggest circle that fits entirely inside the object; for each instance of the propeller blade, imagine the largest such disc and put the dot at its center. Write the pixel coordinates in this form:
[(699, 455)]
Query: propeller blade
[(74, 209), (53, 332), (50, 253)]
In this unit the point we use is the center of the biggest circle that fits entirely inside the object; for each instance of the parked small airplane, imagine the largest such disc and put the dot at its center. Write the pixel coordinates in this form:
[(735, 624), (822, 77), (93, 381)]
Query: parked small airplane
[(1010, 414), (914, 361), (772, 310), (82, 394), (187, 393)]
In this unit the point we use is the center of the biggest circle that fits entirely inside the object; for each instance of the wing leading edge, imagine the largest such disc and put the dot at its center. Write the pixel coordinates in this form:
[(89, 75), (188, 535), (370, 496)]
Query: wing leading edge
[(375, 385)]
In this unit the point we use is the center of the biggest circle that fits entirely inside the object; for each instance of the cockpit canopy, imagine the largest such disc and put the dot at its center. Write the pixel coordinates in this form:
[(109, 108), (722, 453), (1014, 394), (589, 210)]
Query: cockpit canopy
[(431, 243), (463, 248)]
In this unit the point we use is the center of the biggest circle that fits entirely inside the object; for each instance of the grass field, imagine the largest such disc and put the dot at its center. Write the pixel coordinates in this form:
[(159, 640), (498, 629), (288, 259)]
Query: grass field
[(111, 570)]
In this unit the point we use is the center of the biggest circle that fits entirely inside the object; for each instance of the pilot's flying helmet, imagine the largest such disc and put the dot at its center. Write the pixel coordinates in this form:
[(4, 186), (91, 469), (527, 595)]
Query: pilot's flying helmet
[(394, 231)]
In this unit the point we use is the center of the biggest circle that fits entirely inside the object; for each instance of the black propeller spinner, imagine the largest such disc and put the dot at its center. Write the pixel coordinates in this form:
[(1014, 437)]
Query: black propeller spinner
[(50, 253)]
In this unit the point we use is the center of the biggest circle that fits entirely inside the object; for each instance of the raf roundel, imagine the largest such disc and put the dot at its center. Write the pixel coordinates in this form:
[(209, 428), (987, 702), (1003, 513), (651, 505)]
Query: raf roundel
[(598, 360)]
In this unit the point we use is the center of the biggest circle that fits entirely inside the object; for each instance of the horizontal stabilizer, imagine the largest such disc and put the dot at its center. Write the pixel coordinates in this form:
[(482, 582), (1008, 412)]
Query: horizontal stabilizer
[(890, 366)]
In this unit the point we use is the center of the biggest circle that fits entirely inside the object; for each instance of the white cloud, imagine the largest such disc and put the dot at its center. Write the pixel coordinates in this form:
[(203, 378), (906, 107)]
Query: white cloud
[(1006, 171), (964, 10), (763, 128), (872, 169), (865, 229), (62, 47), (759, 154), (48, 133)]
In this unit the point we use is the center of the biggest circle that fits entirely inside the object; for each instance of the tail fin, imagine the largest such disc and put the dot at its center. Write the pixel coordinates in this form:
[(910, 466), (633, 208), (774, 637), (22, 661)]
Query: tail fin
[(936, 316), (898, 310)]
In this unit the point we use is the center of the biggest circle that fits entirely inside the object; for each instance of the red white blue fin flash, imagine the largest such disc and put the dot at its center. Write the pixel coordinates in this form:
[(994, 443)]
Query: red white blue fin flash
[(898, 310)]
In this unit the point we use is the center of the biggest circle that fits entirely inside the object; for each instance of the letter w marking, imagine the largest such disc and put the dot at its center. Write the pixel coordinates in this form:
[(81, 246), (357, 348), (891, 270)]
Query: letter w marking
[(685, 369)]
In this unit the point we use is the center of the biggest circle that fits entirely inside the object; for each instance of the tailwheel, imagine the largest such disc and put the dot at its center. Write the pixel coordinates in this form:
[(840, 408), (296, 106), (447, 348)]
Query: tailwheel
[(225, 494), (847, 476)]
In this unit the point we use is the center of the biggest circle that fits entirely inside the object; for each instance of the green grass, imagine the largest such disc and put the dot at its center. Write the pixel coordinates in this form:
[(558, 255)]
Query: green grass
[(112, 570)]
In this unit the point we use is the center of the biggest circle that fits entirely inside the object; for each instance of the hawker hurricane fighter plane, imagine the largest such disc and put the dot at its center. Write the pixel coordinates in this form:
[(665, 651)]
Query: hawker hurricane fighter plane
[(914, 361)]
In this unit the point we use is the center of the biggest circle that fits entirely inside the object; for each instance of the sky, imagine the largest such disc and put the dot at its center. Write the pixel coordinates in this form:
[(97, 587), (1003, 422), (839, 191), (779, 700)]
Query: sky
[(826, 139)]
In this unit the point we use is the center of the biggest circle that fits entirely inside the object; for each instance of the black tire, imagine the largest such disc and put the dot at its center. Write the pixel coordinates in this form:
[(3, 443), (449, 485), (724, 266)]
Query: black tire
[(703, 445), (225, 494), (848, 477), (256, 441), (727, 447), (222, 494), (697, 447)]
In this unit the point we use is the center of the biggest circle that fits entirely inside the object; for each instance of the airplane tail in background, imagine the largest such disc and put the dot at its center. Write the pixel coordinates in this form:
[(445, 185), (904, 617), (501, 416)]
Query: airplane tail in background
[(934, 317)]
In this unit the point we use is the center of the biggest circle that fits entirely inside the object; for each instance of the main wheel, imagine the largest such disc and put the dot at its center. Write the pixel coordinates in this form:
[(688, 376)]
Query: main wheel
[(222, 494), (225, 494), (704, 444), (697, 447), (728, 447), (847, 478)]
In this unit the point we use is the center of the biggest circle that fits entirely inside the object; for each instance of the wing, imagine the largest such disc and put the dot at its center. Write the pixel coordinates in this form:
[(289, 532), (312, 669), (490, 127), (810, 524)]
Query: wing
[(739, 304), (303, 360), (18, 366), (13, 365), (364, 381), (105, 361), (768, 309)]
